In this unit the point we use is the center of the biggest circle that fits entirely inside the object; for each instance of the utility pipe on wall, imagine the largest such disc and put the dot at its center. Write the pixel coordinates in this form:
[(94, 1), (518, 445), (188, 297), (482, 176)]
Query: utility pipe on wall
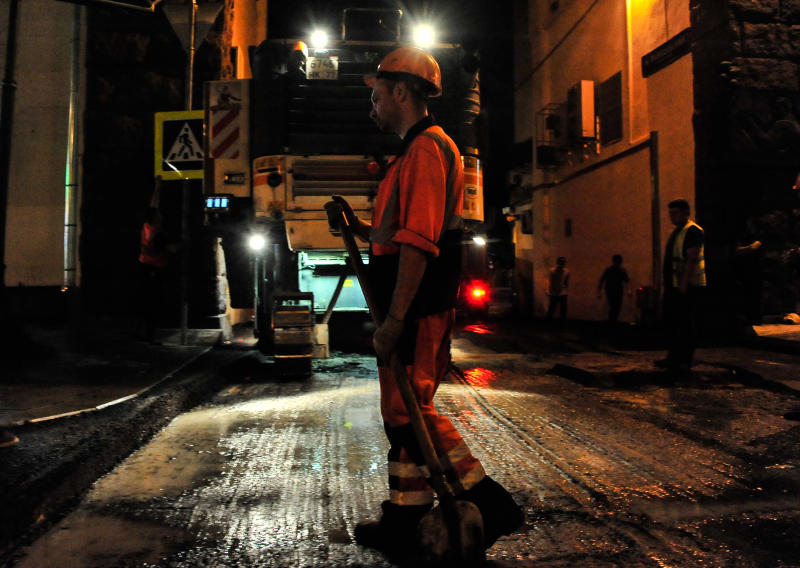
[(6, 115), (71, 176), (655, 208)]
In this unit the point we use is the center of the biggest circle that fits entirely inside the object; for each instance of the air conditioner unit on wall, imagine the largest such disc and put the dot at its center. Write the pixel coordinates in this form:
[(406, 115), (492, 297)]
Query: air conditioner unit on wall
[(550, 136), (580, 112)]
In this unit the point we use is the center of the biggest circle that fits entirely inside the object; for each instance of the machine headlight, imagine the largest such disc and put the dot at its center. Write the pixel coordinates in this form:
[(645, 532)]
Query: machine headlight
[(257, 242), (424, 35), (479, 240), (319, 39)]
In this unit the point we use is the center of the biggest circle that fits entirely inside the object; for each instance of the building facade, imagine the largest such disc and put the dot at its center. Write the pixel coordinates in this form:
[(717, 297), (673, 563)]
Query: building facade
[(630, 104), (41, 237), (610, 145)]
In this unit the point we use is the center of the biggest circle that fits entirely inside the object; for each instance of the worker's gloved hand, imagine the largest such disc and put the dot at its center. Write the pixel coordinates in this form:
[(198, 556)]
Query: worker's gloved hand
[(386, 338), (335, 208)]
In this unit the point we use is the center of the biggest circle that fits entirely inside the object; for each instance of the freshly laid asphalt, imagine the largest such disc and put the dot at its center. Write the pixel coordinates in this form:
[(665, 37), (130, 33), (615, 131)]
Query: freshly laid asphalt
[(83, 397)]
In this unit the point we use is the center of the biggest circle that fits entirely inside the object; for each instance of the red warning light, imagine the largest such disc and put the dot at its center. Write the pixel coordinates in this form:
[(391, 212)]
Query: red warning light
[(477, 292)]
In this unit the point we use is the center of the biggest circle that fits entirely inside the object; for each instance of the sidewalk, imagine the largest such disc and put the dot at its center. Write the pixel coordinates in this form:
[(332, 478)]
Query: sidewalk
[(778, 333), (592, 353), (52, 370)]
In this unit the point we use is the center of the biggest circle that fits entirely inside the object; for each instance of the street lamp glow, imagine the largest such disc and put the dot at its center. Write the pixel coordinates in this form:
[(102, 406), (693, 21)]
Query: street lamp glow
[(319, 39), (479, 240), (424, 36), (257, 242)]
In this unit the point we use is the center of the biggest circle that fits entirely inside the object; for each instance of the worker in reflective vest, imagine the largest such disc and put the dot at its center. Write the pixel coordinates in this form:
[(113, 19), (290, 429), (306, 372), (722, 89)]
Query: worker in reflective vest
[(153, 260), (152, 249), (415, 258), (684, 282)]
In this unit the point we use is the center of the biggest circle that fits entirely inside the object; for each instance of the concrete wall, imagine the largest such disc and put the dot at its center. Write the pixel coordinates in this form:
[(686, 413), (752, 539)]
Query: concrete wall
[(671, 117), (35, 223), (605, 196), (608, 210)]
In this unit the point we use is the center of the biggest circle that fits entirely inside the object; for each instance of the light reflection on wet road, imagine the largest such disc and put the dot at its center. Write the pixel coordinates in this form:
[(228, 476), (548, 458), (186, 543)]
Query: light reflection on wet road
[(615, 472)]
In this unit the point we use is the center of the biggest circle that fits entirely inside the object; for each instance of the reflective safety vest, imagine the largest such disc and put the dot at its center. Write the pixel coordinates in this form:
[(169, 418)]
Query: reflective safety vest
[(383, 233), (148, 253), (438, 291), (698, 278)]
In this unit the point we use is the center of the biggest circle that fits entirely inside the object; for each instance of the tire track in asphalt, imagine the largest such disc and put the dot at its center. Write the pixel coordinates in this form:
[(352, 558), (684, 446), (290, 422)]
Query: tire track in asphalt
[(607, 444), (589, 492)]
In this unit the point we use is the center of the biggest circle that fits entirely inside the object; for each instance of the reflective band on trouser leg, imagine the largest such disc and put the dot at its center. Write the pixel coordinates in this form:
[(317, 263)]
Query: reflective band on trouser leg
[(407, 483), (431, 360)]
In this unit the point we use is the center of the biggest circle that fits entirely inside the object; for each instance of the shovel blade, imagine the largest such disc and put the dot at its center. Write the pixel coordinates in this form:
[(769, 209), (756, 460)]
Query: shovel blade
[(436, 542)]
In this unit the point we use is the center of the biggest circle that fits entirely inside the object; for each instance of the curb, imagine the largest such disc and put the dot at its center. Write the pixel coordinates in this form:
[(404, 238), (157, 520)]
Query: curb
[(145, 390), (74, 451)]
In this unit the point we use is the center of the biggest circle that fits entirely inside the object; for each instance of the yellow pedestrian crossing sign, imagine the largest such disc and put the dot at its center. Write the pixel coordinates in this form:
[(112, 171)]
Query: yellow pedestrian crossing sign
[(179, 144)]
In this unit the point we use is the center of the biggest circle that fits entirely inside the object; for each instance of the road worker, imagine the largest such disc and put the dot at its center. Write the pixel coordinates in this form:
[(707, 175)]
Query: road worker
[(415, 237), (153, 261), (684, 284)]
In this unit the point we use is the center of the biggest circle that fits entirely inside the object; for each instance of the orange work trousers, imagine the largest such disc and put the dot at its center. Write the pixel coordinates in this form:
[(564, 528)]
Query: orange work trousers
[(407, 471)]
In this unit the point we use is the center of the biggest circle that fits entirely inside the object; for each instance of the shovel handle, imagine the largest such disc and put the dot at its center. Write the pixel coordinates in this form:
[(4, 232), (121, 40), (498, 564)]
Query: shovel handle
[(398, 369)]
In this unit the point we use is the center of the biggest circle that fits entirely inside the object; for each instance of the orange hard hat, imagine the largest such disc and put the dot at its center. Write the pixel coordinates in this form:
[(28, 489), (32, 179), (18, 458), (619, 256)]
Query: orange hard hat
[(412, 61)]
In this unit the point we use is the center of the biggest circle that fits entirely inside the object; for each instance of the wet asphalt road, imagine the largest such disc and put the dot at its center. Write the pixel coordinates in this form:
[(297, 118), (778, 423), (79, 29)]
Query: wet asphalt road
[(615, 463)]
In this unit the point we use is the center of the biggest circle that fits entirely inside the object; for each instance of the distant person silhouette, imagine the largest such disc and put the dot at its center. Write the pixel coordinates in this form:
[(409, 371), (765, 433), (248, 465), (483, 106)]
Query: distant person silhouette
[(557, 286), (615, 281)]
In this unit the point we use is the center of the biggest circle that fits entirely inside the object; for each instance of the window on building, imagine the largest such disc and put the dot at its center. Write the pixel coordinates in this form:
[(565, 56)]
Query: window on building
[(526, 222), (610, 109)]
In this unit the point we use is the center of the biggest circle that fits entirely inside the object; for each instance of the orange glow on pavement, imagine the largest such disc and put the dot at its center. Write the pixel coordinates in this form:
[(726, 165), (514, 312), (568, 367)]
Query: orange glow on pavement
[(479, 328), (479, 377)]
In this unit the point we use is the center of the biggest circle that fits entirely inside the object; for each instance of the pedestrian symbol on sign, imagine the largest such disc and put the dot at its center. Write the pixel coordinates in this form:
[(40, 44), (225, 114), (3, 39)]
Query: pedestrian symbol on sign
[(179, 149), (185, 148)]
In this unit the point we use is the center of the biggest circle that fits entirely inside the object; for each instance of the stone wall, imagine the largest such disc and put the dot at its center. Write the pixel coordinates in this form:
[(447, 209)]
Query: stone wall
[(747, 132)]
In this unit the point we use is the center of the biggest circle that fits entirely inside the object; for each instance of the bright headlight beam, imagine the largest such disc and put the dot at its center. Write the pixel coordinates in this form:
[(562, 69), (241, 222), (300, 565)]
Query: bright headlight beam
[(424, 36), (319, 39), (257, 242), (478, 240)]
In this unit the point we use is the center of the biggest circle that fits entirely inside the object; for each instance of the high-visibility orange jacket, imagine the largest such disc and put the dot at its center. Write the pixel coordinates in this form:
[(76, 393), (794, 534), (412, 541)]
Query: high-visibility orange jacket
[(419, 203), (150, 251)]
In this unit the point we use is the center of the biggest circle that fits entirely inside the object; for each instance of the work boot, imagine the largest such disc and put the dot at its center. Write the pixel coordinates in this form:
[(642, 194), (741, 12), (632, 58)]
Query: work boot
[(501, 514), (395, 534)]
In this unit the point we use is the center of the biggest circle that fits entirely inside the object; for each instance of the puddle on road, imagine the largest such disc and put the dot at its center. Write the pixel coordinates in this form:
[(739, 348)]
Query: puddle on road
[(277, 474), (186, 453), (258, 481), (97, 540)]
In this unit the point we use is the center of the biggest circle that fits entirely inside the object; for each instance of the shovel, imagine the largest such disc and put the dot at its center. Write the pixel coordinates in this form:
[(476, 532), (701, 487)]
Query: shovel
[(452, 533)]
